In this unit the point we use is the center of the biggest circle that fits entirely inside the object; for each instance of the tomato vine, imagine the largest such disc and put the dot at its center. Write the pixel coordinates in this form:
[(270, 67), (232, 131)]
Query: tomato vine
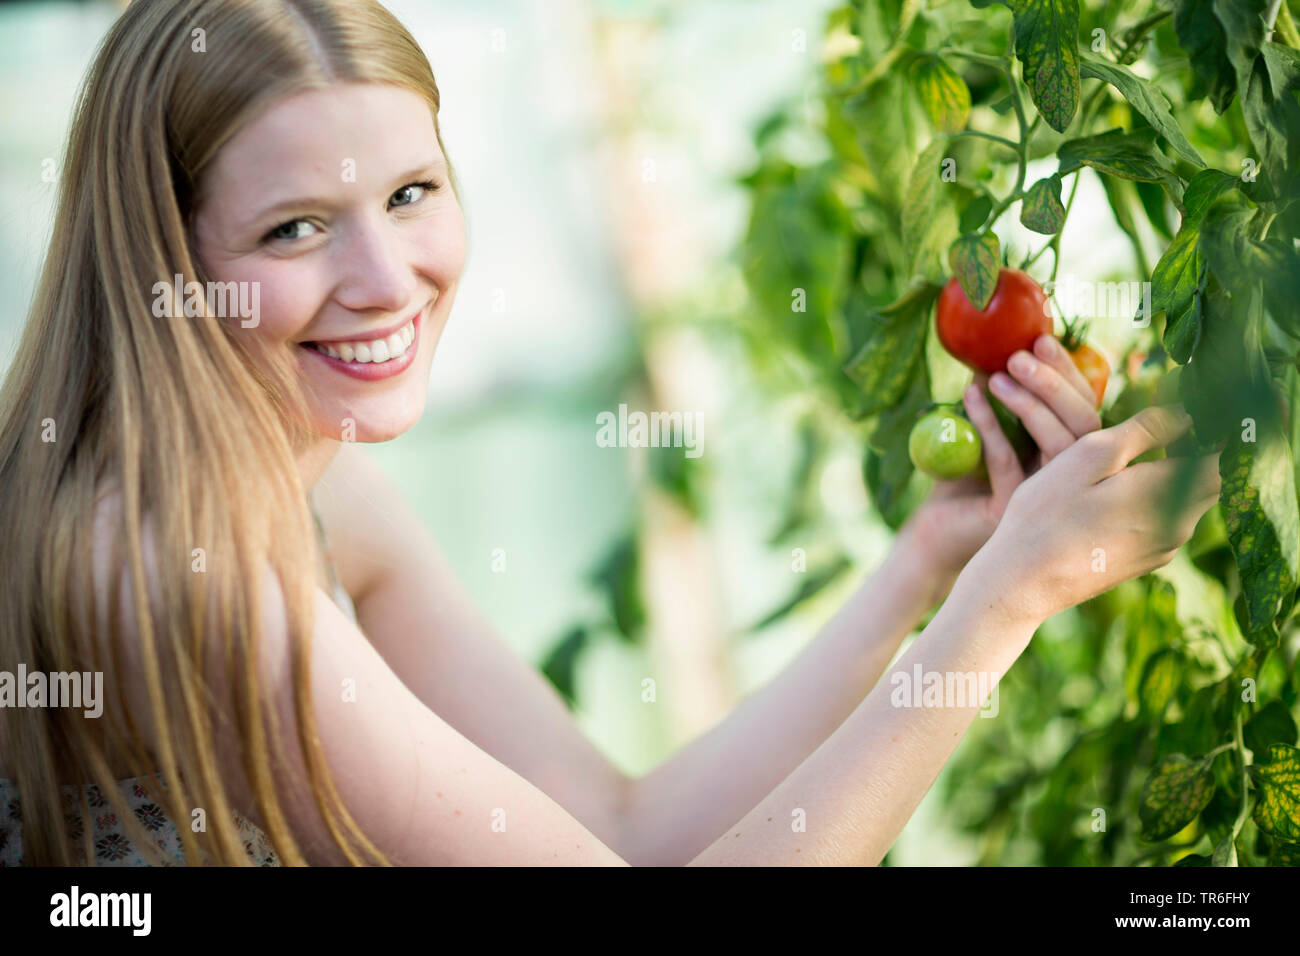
[(1156, 723)]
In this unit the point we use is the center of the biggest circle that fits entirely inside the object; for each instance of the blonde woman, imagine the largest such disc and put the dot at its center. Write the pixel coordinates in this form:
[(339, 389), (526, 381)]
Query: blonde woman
[(291, 673)]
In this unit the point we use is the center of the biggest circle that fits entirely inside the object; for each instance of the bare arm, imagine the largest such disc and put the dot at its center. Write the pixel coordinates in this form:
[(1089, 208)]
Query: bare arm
[(682, 805), (856, 792), (428, 630), (847, 803), (416, 614)]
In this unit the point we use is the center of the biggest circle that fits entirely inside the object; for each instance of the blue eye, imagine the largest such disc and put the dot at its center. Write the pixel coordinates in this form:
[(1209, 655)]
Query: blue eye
[(411, 193), (289, 230)]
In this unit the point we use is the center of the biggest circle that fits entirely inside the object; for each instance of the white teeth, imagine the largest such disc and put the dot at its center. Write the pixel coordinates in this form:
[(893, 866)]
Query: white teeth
[(374, 350)]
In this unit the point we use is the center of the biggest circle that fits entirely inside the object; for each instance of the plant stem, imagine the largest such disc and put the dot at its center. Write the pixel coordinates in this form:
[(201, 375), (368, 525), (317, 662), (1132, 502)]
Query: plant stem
[(997, 62), (1026, 134), (1055, 242), (1010, 144), (1240, 745), (1286, 28), (1220, 749), (896, 48), (1134, 34)]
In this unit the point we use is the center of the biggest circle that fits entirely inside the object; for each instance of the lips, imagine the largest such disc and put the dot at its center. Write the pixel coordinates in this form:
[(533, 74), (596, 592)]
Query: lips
[(371, 359)]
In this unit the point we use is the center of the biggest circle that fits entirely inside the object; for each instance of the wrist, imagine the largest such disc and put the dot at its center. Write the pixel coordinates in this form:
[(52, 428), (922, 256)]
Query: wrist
[(913, 573), (999, 591)]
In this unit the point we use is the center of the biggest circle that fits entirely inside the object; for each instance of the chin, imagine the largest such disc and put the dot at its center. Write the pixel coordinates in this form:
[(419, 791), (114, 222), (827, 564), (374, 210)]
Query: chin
[(367, 425)]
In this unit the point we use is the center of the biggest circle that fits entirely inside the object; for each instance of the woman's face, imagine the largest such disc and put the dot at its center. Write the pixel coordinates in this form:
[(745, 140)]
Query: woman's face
[(337, 203)]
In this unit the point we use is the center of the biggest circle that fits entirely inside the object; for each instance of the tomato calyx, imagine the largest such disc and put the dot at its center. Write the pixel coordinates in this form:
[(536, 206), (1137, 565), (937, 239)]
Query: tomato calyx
[(1075, 334)]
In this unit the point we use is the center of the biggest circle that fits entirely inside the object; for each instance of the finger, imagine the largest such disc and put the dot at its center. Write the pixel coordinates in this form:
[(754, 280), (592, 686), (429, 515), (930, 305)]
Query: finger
[(1077, 412), (1179, 490), (1052, 436), (1005, 473), (1047, 348), (1207, 482), (1150, 428)]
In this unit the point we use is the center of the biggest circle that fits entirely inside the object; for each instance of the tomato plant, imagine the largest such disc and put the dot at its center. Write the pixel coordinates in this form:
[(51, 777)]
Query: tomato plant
[(1154, 724)]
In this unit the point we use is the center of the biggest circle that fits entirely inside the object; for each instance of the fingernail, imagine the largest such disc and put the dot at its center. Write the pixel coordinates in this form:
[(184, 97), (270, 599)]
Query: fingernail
[(1046, 346), (1022, 363), (1001, 382), (972, 393)]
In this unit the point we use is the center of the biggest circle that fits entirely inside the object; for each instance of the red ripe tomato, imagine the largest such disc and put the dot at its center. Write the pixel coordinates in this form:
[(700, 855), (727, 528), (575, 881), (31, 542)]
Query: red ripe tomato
[(1016, 316)]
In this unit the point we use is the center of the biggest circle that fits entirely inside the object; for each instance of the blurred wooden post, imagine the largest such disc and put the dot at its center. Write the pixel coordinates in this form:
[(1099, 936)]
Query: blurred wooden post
[(652, 230)]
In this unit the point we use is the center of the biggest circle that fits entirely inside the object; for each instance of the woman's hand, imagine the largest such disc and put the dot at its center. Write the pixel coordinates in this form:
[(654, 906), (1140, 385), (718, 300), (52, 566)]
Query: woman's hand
[(1089, 520), (1055, 403)]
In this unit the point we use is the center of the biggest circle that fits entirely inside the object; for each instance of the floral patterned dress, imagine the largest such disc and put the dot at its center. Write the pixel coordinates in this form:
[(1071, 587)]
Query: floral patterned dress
[(112, 846)]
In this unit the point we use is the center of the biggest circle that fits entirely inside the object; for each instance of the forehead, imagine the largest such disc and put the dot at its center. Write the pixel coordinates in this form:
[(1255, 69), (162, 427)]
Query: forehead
[(310, 139)]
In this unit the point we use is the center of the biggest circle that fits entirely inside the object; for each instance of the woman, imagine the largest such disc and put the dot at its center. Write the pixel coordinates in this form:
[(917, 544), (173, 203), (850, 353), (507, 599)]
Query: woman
[(292, 673)]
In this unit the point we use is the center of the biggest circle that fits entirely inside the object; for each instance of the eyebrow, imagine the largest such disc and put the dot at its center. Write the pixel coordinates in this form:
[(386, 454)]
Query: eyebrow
[(286, 206)]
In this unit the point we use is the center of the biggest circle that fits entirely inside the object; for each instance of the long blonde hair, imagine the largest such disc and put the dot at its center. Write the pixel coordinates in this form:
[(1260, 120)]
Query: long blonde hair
[(171, 413)]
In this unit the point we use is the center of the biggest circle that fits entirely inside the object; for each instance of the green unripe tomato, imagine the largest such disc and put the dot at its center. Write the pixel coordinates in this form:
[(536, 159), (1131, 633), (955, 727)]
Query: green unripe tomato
[(944, 445)]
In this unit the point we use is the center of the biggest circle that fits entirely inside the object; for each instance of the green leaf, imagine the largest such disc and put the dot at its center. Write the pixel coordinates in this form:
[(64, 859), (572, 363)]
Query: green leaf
[(1153, 201), (1179, 274), (1144, 97), (813, 583), (1202, 190), (886, 364), (1259, 501), (943, 94), (1272, 115), (1047, 44), (1201, 36), (887, 466), (1277, 811), (975, 213), (799, 238), (974, 261), (1151, 627), (1240, 261), (1272, 725), (561, 663), (1041, 210), (1174, 794), (1174, 283), (1160, 679), (927, 214), (1285, 854), (1225, 854), (1227, 379), (1126, 155), (617, 575)]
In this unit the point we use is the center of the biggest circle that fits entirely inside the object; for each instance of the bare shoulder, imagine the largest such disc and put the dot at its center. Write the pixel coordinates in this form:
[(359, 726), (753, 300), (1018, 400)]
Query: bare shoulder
[(372, 529)]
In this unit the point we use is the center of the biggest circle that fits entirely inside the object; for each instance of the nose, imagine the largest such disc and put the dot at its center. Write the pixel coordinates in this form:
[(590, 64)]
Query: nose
[(375, 272)]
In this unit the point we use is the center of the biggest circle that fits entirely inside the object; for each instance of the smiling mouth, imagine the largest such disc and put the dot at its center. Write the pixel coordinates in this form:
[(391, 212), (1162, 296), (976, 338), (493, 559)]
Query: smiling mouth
[(372, 359), (369, 351)]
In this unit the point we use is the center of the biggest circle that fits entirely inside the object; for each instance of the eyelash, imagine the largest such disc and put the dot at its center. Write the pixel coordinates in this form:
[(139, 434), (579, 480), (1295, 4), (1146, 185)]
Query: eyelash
[(428, 185)]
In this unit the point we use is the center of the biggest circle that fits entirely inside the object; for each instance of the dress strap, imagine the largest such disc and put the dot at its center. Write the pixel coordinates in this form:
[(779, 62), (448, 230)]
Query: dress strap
[(337, 591)]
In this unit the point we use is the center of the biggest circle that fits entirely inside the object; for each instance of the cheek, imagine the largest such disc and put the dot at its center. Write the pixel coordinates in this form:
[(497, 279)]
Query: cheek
[(440, 245), (287, 297)]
